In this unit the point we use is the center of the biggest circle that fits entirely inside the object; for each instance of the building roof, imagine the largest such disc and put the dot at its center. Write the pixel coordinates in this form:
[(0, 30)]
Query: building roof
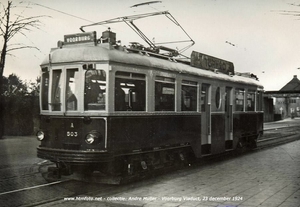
[(293, 85)]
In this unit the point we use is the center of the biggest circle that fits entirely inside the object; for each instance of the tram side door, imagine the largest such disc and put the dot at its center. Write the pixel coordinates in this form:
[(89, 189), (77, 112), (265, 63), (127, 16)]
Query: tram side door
[(228, 118), (205, 119)]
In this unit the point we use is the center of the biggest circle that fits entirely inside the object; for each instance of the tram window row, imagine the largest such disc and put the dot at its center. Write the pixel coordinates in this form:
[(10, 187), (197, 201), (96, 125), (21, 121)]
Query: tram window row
[(133, 96), (133, 91)]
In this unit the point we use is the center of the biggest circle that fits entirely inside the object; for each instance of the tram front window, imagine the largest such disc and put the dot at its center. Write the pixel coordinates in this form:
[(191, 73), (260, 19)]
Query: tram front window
[(95, 90), (56, 90), (44, 90), (72, 89)]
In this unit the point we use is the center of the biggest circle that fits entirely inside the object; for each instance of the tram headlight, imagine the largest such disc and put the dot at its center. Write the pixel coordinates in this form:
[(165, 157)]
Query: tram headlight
[(40, 135), (92, 137)]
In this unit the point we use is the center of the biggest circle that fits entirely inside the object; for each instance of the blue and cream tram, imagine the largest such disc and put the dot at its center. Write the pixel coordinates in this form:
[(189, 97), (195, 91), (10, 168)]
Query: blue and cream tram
[(108, 108)]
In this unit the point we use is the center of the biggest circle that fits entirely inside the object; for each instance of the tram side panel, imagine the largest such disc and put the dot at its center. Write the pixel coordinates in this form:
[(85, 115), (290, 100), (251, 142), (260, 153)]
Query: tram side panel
[(129, 134), (217, 133), (247, 126)]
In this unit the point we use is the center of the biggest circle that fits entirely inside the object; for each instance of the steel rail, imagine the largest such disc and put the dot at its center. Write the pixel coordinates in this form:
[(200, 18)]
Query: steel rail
[(33, 187)]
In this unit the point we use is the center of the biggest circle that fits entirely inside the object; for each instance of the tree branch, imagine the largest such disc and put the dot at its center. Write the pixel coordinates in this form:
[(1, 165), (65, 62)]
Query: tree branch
[(20, 25), (9, 28), (22, 47)]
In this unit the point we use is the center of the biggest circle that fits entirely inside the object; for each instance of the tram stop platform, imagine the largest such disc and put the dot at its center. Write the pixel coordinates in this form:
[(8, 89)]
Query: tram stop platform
[(262, 178)]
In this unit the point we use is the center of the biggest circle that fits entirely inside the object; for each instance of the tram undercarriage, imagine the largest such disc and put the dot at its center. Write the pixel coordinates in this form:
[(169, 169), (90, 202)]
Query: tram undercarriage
[(130, 167)]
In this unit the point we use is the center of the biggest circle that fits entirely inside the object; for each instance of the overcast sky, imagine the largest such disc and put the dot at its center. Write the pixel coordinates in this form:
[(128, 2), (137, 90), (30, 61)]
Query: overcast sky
[(263, 39)]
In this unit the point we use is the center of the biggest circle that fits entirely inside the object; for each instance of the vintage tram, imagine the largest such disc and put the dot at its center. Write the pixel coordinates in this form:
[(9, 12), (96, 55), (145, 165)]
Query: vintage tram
[(121, 110)]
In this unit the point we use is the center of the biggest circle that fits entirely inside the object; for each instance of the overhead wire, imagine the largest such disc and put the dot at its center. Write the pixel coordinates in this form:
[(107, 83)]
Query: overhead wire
[(47, 7)]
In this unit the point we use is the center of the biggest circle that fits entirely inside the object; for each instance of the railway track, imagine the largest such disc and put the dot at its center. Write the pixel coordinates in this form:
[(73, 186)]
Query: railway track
[(279, 135), (44, 193), (41, 194)]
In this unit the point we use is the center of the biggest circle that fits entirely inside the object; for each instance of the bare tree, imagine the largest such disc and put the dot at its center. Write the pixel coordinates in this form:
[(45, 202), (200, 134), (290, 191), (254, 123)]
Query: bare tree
[(9, 28)]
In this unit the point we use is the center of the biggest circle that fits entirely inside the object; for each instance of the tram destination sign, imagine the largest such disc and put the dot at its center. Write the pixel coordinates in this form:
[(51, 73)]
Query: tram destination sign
[(80, 38), (203, 61)]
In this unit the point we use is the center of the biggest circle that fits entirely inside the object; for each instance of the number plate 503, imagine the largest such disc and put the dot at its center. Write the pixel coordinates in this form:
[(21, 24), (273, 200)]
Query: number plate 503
[(72, 134)]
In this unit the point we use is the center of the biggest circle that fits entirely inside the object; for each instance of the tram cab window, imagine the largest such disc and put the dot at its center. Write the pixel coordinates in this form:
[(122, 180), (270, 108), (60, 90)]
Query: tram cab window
[(56, 90), (45, 90), (239, 99), (72, 89), (188, 96), (130, 91), (95, 90), (164, 94), (250, 101)]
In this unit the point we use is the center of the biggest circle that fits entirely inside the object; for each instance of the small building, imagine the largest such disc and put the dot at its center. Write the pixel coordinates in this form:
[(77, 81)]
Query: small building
[(286, 101)]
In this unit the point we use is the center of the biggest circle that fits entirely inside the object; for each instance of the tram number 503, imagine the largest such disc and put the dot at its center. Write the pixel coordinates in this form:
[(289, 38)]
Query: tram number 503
[(72, 134)]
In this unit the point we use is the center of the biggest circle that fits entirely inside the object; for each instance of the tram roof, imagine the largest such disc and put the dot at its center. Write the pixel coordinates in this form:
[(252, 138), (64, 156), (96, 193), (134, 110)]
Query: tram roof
[(106, 53)]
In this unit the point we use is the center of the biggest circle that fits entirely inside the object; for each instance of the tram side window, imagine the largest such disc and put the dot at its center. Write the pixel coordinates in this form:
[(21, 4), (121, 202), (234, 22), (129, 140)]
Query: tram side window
[(72, 89), (259, 101), (239, 100), (130, 91), (95, 90), (164, 94), (189, 96), (56, 90), (251, 101), (204, 96), (45, 91)]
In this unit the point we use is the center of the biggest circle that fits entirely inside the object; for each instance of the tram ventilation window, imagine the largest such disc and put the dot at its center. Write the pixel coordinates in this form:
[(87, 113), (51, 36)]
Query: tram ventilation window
[(164, 94), (130, 91), (218, 99)]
